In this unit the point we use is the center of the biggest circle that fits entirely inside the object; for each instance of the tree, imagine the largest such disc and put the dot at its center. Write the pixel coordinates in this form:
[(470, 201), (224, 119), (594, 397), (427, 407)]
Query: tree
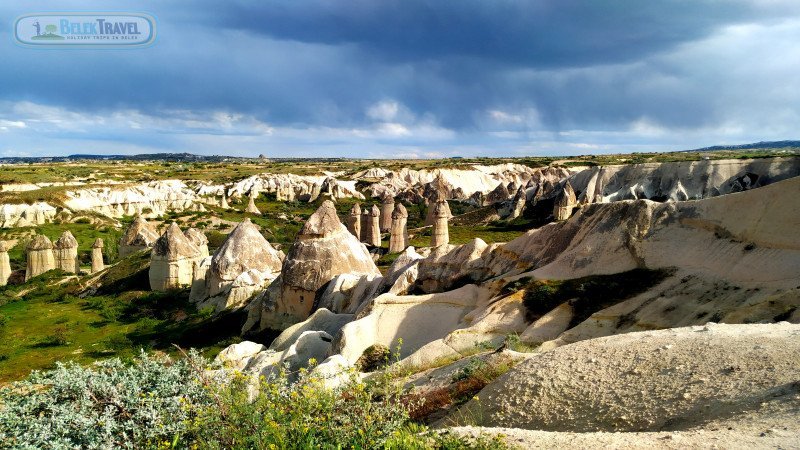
[(50, 29)]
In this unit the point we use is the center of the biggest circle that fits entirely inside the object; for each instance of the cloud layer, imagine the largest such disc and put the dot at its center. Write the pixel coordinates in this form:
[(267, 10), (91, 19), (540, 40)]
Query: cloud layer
[(411, 78)]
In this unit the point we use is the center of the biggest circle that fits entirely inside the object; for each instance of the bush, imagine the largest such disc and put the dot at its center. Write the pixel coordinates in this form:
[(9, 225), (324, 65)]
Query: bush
[(160, 402)]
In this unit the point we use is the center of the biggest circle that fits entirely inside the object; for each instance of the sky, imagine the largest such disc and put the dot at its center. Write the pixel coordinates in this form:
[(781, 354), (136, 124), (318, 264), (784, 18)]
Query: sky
[(409, 79)]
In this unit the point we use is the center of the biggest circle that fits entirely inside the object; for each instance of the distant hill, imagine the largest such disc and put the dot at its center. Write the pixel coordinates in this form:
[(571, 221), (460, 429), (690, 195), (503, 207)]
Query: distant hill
[(756, 145)]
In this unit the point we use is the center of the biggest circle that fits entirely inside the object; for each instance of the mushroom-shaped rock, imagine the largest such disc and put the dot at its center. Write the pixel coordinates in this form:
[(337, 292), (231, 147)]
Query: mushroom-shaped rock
[(398, 236), (244, 249), (323, 249), (565, 203), (387, 207), (172, 260), (354, 221), (5, 264), (372, 232), (139, 236), (65, 251), (441, 233), (40, 256), (97, 255), (199, 239)]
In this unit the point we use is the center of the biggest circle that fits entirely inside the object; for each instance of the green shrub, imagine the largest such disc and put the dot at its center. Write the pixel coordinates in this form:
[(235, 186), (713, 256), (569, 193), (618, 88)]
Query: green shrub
[(160, 402)]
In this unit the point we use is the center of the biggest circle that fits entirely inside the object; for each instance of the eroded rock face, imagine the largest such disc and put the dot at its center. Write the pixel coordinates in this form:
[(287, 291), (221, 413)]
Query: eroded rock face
[(242, 265), (172, 260), (40, 256), (323, 249), (139, 236), (24, 215), (153, 198), (678, 181), (65, 251), (199, 239), (678, 379)]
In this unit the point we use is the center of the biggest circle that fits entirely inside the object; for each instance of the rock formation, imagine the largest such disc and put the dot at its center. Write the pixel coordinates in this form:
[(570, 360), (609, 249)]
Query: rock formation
[(440, 234), (398, 237), (24, 215), (323, 249), (387, 207), (251, 205), (153, 198), (40, 256), (372, 232), (223, 203), (242, 265), (97, 255), (5, 264), (498, 195), (65, 251), (172, 260), (199, 239), (354, 221), (565, 203), (139, 236)]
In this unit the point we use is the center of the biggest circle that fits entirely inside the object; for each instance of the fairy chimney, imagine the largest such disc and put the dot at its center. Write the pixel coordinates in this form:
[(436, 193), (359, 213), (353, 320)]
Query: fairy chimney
[(251, 205), (324, 248), (441, 214), (565, 203), (353, 221), (199, 239), (224, 202), (172, 260), (40, 256), (398, 236), (387, 208), (65, 252), (97, 255), (372, 233), (139, 236), (5, 264)]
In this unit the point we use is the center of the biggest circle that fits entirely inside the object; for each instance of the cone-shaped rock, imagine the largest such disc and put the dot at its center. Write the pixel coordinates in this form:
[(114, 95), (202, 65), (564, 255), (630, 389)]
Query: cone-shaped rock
[(40, 256), (518, 203), (373, 231), (199, 239), (387, 208), (251, 206), (65, 252), (324, 248), (398, 236), (354, 221), (5, 264), (139, 236), (245, 248), (172, 260), (224, 202), (97, 255), (441, 233), (565, 203), (499, 194)]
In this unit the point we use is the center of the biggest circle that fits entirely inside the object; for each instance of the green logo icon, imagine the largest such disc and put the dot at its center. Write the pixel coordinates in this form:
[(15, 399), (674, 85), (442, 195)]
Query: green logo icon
[(49, 33)]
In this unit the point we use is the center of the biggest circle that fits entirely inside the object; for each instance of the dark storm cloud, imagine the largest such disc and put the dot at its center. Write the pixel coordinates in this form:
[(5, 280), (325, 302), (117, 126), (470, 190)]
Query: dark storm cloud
[(456, 70)]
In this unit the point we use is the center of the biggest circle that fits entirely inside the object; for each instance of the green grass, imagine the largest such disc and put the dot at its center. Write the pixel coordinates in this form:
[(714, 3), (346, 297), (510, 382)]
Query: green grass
[(49, 322)]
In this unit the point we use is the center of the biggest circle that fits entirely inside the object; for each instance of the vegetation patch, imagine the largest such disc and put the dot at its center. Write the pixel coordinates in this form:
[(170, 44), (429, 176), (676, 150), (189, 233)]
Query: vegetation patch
[(587, 295)]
